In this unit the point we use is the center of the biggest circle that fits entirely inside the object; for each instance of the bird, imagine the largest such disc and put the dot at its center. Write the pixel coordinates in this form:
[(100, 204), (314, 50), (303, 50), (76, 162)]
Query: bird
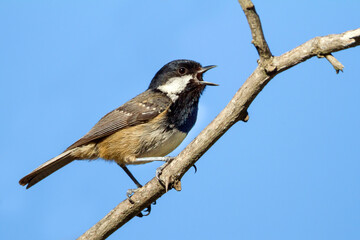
[(144, 129)]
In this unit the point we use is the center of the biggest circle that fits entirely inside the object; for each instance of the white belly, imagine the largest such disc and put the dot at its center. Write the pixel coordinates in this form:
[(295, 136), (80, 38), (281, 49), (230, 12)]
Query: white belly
[(164, 143)]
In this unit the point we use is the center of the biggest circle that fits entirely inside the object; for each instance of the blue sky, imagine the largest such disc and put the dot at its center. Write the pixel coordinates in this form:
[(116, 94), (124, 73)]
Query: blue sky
[(291, 172)]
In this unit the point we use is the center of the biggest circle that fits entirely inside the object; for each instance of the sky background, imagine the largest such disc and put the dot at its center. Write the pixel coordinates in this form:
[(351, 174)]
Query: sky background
[(291, 172)]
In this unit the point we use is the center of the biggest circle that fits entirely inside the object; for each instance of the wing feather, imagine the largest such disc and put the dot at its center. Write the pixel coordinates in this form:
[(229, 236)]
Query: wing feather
[(138, 110)]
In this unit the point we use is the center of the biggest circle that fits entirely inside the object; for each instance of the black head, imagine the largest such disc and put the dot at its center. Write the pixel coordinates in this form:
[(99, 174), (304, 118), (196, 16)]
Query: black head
[(179, 76)]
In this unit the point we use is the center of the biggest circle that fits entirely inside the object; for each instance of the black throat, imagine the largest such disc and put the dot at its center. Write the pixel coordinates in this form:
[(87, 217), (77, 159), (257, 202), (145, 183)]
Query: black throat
[(183, 112)]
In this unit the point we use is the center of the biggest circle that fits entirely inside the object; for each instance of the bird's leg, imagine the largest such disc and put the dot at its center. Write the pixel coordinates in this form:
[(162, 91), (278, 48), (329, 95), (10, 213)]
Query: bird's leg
[(152, 159), (130, 192), (159, 170), (166, 159)]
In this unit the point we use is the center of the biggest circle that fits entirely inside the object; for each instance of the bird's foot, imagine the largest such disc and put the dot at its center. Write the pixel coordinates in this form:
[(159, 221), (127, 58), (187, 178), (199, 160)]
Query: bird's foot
[(151, 159), (129, 193), (161, 168)]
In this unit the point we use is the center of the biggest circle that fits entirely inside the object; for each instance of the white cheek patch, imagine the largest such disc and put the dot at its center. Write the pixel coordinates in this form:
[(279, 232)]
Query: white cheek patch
[(174, 86)]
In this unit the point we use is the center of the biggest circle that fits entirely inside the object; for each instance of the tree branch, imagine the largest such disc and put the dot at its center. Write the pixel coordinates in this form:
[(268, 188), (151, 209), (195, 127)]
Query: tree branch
[(235, 110), (258, 38), (318, 46)]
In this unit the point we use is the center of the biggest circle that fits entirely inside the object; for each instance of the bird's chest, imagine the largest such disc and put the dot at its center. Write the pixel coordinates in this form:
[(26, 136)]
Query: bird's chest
[(166, 132), (161, 142), (156, 138), (170, 128), (152, 139), (182, 115)]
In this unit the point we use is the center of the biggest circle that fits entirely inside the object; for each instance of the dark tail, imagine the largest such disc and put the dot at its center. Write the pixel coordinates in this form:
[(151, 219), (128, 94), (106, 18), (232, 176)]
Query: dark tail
[(47, 168)]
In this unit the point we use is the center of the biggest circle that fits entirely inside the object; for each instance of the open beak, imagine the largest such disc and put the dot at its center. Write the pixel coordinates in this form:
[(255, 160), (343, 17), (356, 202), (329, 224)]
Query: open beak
[(202, 71)]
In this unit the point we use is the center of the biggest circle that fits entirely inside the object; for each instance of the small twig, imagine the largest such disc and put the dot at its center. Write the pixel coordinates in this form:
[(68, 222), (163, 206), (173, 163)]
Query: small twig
[(318, 46), (258, 38), (335, 63)]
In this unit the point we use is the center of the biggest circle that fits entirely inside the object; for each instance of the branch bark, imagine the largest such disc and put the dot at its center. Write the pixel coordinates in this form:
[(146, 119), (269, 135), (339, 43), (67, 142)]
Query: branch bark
[(235, 111), (258, 38), (335, 63)]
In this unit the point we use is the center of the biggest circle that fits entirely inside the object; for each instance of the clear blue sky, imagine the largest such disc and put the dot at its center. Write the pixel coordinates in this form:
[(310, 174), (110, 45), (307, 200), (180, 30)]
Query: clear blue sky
[(291, 172)]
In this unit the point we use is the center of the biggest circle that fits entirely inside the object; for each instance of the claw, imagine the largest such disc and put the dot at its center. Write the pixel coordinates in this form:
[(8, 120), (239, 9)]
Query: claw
[(194, 166), (159, 169), (159, 172), (129, 193), (147, 210)]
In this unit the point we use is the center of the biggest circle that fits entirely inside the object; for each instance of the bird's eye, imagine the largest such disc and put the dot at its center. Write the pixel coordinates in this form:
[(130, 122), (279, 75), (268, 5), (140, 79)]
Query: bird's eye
[(182, 71)]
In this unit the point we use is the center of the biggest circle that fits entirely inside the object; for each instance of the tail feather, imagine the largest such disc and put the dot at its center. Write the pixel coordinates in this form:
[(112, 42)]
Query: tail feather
[(47, 168)]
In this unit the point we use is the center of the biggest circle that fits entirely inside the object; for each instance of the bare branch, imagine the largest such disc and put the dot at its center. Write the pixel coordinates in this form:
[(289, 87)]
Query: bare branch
[(319, 46), (235, 111), (256, 29)]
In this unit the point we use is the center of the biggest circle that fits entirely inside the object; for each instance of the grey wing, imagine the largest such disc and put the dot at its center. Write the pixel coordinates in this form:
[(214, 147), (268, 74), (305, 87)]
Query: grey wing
[(140, 109)]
